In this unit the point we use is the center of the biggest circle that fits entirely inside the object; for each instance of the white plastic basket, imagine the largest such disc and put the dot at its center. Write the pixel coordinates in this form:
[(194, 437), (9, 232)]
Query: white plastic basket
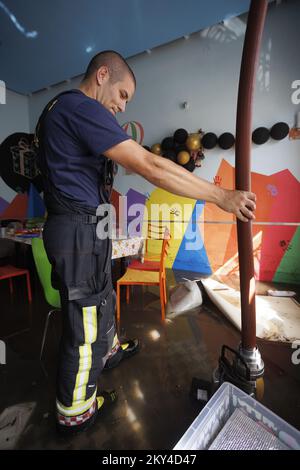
[(218, 410)]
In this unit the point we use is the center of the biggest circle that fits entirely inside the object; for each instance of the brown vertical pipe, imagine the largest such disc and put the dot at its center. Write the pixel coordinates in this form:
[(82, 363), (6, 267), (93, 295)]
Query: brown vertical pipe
[(255, 25)]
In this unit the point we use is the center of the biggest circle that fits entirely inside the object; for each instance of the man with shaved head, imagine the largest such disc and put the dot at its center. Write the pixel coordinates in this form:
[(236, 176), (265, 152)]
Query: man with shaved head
[(79, 141), (117, 66)]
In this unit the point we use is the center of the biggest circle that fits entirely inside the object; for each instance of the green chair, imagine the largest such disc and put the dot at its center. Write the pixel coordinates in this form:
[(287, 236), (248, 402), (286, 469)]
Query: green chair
[(43, 268)]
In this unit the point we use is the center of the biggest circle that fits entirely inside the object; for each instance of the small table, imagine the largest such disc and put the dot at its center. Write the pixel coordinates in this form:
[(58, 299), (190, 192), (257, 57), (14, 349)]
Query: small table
[(127, 247), (121, 247)]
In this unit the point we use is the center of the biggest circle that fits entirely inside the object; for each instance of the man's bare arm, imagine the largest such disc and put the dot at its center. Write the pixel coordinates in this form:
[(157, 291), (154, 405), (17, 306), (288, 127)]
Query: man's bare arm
[(173, 178)]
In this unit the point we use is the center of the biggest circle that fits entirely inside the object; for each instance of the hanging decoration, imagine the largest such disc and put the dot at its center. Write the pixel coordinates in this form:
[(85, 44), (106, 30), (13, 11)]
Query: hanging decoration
[(260, 136), (18, 162), (187, 149), (135, 130), (182, 148)]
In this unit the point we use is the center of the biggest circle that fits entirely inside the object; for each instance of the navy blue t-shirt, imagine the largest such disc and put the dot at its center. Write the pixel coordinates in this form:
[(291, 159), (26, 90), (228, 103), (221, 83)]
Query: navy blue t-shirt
[(78, 129)]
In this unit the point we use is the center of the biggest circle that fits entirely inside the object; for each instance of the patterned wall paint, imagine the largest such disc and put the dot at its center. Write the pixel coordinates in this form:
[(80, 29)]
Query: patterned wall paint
[(276, 247)]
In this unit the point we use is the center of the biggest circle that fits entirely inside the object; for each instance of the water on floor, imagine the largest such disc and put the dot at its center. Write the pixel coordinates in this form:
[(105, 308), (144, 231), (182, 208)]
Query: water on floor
[(154, 407)]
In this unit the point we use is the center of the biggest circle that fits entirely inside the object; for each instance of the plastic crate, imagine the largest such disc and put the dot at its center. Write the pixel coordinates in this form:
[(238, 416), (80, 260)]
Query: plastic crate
[(212, 419)]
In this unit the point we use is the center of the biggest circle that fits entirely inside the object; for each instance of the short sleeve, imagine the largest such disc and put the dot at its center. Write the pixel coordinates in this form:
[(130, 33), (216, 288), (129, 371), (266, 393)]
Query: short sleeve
[(97, 128)]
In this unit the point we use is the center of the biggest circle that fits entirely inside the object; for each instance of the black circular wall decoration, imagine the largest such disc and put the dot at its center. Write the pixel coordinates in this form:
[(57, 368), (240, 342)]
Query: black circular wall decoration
[(180, 136), (167, 143), (226, 141), (190, 166), (279, 131), (209, 140), (179, 148), (260, 135), (170, 154), (18, 166)]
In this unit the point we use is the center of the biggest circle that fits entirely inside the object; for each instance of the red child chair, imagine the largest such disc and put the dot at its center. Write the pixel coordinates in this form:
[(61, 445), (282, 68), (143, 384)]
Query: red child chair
[(8, 272)]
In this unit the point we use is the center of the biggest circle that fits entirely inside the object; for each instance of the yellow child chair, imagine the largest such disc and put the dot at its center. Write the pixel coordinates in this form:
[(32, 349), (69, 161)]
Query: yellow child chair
[(135, 277), (151, 261)]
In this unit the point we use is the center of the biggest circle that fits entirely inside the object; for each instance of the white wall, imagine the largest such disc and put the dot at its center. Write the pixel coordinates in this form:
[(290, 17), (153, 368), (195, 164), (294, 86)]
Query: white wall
[(14, 117)]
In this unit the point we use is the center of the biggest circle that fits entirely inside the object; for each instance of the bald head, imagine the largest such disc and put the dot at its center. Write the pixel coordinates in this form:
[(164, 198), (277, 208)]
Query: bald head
[(116, 64)]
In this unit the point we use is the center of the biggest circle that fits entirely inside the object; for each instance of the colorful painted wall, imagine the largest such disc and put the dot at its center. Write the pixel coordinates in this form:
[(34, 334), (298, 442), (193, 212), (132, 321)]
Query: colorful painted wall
[(211, 232), (275, 231), (203, 71)]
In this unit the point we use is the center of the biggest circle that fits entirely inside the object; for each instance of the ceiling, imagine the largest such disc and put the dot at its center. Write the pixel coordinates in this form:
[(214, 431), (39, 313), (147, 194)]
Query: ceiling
[(45, 42)]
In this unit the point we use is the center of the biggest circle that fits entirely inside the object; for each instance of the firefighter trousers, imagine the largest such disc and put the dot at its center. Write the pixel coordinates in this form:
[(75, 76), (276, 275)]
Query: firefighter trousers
[(81, 271)]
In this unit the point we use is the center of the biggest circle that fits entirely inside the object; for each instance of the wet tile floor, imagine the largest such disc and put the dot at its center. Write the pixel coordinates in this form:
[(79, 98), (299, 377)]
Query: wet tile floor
[(154, 407)]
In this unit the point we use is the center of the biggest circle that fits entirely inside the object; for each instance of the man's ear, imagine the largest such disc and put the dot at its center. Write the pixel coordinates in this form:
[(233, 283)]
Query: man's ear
[(102, 74)]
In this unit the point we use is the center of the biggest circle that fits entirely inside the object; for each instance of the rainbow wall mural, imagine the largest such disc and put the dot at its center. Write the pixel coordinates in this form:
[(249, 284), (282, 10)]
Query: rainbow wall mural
[(23, 206), (276, 247)]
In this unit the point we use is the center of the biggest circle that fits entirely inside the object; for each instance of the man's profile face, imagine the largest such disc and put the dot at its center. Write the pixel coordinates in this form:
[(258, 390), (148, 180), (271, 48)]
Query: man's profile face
[(115, 96)]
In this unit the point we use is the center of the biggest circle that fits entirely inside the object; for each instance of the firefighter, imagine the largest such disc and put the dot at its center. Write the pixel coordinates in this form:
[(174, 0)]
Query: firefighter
[(79, 141)]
